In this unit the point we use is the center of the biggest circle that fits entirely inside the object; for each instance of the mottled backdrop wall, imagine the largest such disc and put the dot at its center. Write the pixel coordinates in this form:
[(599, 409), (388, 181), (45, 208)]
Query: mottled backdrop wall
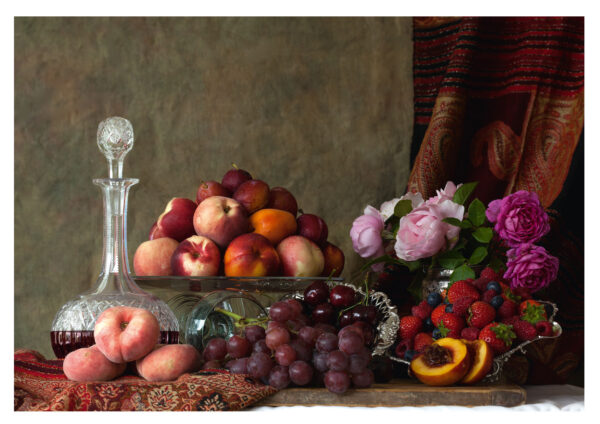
[(320, 106)]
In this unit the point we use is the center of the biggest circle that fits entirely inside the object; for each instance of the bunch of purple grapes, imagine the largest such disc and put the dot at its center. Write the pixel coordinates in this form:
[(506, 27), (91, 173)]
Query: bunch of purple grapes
[(323, 340)]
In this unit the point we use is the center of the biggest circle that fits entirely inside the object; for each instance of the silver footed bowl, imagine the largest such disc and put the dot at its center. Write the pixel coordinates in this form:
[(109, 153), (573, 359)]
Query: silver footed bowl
[(500, 360)]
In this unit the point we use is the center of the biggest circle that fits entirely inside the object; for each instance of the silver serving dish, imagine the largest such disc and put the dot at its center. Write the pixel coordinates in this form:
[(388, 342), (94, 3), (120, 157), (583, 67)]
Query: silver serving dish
[(500, 360)]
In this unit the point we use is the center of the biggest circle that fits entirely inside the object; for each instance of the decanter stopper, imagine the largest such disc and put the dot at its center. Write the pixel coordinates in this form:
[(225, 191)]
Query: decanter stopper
[(115, 140)]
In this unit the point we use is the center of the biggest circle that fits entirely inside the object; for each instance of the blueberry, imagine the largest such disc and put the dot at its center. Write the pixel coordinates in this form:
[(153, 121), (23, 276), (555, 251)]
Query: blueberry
[(497, 301), (449, 308), (436, 334), (434, 299), (428, 324), (493, 285), (409, 354)]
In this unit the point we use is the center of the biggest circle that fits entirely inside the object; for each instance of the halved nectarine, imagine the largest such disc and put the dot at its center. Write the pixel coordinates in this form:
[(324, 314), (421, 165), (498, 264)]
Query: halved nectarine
[(482, 360), (442, 363)]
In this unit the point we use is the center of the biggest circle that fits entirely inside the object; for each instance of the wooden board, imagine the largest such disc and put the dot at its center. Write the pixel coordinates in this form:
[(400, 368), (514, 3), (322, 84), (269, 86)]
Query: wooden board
[(401, 393)]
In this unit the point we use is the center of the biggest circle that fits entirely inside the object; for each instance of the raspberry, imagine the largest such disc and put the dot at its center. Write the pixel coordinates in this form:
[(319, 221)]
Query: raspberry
[(522, 292), (469, 333), (544, 328), (480, 284), (422, 310), (488, 295), (511, 320), (422, 340), (402, 347), (507, 309), (488, 273), (461, 306), (524, 330)]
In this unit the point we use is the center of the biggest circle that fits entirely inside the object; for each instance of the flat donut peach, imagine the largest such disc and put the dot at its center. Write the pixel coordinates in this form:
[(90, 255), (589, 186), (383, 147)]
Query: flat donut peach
[(89, 364)]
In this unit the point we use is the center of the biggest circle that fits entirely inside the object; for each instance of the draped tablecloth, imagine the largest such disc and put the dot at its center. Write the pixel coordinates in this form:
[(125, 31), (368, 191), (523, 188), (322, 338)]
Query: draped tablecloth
[(41, 385)]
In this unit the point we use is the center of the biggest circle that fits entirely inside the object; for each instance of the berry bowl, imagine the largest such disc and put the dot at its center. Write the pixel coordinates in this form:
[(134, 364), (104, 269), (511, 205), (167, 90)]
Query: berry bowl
[(500, 360)]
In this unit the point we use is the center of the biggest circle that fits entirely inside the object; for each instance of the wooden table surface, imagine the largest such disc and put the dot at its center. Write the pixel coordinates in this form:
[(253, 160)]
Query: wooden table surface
[(402, 393)]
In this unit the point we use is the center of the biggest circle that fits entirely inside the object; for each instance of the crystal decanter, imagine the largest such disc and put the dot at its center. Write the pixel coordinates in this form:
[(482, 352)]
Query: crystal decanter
[(73, 325)]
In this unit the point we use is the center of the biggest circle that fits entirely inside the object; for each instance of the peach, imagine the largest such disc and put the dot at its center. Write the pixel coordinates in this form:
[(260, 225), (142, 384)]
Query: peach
[(153, 257), (176, 220), (221, 219), (253, 195), (211, 188), (251, 255), (281, 198), (274, 224), (300, 257), (482, 361), (155, 232), (89, 364), (313, 228), (196, 256), (444, 362), (124, 334), (234, 178), (168, 362)]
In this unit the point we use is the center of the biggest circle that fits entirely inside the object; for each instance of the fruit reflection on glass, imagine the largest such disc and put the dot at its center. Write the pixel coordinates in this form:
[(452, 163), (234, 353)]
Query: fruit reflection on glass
[(226, 210)]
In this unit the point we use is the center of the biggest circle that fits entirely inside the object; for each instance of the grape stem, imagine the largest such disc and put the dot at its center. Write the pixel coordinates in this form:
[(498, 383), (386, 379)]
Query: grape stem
[(364, 300), (242, 322)]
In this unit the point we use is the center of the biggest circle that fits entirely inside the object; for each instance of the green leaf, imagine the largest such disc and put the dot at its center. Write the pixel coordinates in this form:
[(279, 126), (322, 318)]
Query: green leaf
[(443, 329), (457, 222), (483, 234), (463, 193), (462, 273), (496, 264), (477, 212), (451, 259), (478, 255), (402, 208), (384, 258), (411, 265)]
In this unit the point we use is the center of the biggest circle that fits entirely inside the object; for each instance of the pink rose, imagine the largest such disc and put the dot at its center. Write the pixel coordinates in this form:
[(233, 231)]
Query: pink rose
[(387, 208), (366, 233), (531, 267), (519, 218), (447, 193), (422, 233)]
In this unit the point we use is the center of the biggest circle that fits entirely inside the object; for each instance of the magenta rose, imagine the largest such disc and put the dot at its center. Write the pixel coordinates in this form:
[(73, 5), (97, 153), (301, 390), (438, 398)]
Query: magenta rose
[(422, 233), (531, 267), (366, 233), (519, 218)]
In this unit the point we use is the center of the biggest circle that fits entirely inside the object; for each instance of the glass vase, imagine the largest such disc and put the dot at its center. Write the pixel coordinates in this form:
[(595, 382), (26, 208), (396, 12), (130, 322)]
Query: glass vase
[(73, 325)]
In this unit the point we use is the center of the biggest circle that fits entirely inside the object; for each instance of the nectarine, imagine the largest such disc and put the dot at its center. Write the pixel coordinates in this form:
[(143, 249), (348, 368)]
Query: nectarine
[(251, 255), (482, 361), (211, 188), (300, 257), (444, 362), (253, 195), (176, 220), (274, 224), (196, 256), (221, 219), (153, 257)]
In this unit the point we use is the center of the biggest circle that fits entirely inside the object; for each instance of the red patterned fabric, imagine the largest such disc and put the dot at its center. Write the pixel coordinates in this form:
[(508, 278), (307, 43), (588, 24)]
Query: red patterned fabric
[(40, 385), (501, 100)]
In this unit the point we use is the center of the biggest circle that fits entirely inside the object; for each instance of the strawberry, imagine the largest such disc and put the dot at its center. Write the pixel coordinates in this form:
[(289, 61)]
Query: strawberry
[(451, 325), (481, 314), (532, 311), (498, 336), (469, 333), (437, 313), (524, 330), (488, 295), (488, 273), (462, 289), (422, 310), (409, 327), (461, 306), (508, 294), (522, 292), (507, 309), (422, 340), (544, 328), (511, 320), (402, 347)]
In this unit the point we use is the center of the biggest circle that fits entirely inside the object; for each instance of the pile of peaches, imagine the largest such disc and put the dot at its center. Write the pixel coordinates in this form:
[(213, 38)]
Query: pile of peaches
[(126, 335), (239, 228)]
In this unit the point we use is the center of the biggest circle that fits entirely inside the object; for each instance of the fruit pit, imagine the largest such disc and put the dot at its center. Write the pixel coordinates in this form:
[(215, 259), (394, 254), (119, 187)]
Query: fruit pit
[(436, 355)]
